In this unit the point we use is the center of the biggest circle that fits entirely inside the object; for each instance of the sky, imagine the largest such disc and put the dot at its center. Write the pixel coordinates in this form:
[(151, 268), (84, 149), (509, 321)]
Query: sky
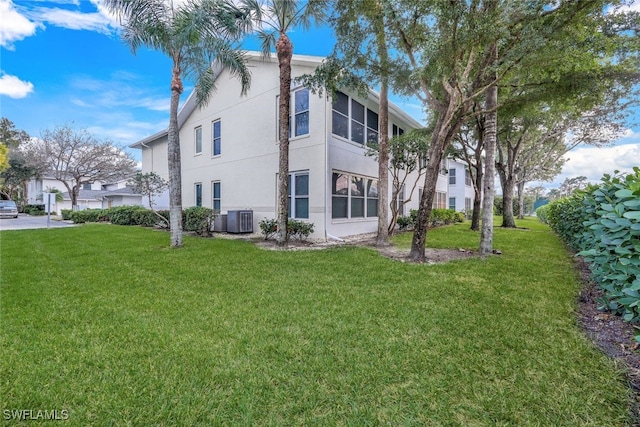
[(62, 62)]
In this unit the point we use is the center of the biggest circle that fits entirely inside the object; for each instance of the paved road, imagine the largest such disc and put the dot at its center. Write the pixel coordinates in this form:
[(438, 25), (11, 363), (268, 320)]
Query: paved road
[(24, 222)]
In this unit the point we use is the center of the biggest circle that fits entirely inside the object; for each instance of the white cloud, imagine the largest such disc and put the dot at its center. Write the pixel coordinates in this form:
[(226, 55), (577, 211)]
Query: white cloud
[(73, 20), (13, 25), (13, 87), (594, 162)]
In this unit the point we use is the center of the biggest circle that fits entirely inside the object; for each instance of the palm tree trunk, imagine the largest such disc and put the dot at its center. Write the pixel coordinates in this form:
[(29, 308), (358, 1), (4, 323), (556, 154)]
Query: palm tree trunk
[(486, 232), (284, 50), (174, 165)]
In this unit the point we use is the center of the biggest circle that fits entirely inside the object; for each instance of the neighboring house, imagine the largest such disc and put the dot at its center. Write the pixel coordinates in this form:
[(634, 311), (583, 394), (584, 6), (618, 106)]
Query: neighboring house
[(461, 190), (229, 152), (92, 195)]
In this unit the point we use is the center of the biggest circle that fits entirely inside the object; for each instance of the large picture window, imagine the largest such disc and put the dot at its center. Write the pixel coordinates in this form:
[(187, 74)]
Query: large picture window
[(353, 121), (353, 196), (439, 200), (299, 195)]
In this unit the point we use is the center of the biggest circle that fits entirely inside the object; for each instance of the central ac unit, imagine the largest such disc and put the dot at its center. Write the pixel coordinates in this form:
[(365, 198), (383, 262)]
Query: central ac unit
[(240, 222)]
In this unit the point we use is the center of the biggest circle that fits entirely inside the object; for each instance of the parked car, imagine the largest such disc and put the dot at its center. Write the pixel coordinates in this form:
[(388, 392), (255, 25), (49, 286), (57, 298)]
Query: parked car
[(8, 209)]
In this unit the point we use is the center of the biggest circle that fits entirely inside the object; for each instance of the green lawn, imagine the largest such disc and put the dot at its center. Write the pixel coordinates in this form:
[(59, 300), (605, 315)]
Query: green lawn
[(109, 324)]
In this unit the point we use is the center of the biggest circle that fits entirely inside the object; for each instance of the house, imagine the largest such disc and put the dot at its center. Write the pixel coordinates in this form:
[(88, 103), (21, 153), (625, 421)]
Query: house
[(96, 195), (229, 152), (461, 192)]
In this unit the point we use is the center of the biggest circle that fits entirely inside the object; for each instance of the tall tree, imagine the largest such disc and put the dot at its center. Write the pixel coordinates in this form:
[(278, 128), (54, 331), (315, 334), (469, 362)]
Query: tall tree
[(363, 49), (193, 34), (76, 157), (14, 179), (275, 19)]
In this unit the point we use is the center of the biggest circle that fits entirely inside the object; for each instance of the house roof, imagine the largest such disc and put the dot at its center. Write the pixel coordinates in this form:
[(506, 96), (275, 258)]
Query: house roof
[(302, 60), (99, 194)]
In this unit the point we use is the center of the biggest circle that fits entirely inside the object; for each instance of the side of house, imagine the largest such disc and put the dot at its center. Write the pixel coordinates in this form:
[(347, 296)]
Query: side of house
[(229, 152)]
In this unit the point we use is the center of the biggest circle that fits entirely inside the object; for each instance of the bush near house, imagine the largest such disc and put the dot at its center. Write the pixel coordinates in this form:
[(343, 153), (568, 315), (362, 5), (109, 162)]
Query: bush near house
[(199, 220), (66, 214), (298, 230), (438, 217), (34, 210), (602, 223)]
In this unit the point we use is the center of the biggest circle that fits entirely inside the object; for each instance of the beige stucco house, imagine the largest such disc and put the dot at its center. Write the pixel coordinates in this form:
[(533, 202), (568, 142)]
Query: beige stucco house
[(229, 152)]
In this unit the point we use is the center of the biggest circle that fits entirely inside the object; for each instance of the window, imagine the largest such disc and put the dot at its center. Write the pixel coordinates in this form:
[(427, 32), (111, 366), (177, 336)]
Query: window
[(86, 186), (452, 203), (299, 195), (198, 194), (397, 131), (215, 190), (467, 178), (439, 200), (468, 205), (198, 139), (299, 113), (352, 120), (217, 139), (353, 196), (452, 176)]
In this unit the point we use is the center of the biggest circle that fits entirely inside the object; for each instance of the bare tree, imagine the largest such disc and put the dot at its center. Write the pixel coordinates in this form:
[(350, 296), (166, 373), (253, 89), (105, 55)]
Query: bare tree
[(75, 157)]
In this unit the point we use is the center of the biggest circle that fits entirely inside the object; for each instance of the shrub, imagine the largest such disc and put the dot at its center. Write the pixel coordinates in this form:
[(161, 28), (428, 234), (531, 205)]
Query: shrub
[(404, 222), (268, 227), (299, 230), (66, 214), (199, 219), (35, 210), (603, 223), (88, 215)]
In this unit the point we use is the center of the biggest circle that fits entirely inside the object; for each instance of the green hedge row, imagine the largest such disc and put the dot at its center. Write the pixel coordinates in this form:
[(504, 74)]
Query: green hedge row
[(196, 219), (298, 230), (438, 217), (602, 223)]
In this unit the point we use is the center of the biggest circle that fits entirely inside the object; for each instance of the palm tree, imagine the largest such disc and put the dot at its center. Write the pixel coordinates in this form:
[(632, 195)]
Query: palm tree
[(275, 18), (193, 34)]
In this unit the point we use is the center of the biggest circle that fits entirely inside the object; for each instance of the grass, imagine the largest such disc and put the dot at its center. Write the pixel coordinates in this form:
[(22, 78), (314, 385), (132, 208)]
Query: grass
[(109, 324)]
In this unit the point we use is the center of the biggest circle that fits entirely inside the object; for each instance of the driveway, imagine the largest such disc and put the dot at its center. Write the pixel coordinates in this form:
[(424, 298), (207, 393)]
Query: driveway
[(24, 222)]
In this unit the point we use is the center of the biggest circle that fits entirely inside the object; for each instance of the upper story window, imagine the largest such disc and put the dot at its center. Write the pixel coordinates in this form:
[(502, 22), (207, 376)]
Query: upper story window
[(86, 186), (216, 148), (198, 140), (353, 121), (467, 178), (452, 176), (397, 131), (298, 113)]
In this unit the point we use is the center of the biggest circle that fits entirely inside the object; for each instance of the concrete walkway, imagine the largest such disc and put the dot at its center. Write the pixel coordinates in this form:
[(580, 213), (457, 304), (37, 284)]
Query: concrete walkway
[(24, 222)]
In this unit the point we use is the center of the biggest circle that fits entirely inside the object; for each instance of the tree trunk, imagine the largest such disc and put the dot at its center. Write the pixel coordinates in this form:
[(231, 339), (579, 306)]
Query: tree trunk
[(486, 233), (477, 198), (174, 162), (284, 49), (520, 200), (508, 189), (383, 167)]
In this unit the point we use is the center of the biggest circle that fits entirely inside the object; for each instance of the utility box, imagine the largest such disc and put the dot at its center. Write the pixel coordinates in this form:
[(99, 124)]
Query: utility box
[(240, 222), (220, 224)]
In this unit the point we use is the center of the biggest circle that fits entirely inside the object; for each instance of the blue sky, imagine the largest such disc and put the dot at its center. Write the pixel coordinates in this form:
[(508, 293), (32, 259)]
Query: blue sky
[(62, 61)]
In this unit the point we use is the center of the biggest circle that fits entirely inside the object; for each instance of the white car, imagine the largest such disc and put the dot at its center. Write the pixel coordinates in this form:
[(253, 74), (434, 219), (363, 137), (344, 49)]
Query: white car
[(8, 209)]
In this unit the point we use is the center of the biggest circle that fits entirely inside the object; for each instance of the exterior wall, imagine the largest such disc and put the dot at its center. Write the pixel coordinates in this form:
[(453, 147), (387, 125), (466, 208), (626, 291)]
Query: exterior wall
[(35, 187), (121, 200), (155, 159)]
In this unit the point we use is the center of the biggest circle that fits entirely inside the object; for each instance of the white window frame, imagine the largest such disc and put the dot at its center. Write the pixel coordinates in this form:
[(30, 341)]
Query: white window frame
[(439, 200), (293, 113), (452, 176), (215, 199), (214, 138), (197, 137), (292, 197), (467, 178), (452, 199)]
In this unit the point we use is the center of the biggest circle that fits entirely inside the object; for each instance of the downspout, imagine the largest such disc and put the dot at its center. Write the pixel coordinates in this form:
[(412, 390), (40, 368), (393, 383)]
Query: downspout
[(326, 173)]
